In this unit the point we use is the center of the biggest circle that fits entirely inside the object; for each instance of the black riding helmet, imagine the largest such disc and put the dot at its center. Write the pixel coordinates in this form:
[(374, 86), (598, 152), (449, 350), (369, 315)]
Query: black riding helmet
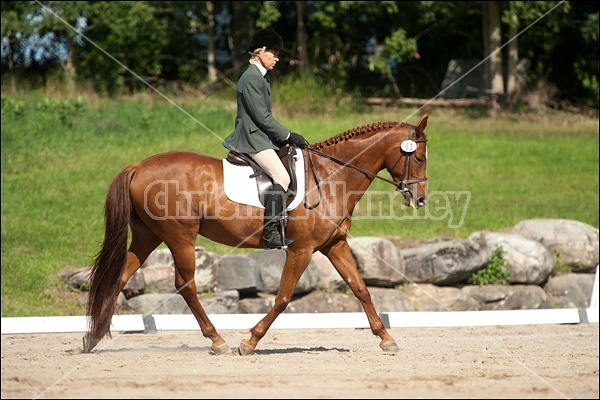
[(266, 38)]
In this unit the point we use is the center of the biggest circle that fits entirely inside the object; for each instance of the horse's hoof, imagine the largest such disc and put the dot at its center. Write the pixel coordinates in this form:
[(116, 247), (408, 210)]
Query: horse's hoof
[(389, 347), (88, 344), (221, 349), (245, 350)]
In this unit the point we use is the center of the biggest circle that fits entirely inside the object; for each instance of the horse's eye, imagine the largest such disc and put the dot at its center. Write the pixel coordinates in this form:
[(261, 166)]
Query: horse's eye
[(419, 160)]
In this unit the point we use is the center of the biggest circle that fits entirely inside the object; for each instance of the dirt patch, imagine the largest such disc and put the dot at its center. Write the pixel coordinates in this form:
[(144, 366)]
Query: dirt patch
[(536, 361)]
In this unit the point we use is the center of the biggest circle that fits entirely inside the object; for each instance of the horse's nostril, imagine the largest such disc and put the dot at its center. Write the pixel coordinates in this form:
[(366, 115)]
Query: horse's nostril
[(422, 201)]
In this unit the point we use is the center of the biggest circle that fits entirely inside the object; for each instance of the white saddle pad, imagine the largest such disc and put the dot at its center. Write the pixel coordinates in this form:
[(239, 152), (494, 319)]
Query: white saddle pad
[(240, 188)]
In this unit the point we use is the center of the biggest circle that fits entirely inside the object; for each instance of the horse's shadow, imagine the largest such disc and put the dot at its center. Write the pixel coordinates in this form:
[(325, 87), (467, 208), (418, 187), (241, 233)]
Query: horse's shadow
[(149, 349), (292, 350), (206, 349)]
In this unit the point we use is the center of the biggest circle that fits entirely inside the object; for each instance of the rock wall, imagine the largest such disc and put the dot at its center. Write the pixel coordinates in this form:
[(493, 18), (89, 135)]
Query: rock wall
[(430, 275)]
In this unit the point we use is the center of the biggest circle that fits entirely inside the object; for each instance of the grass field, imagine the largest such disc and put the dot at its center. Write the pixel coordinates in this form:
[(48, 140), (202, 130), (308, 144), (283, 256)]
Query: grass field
[(59, 156)]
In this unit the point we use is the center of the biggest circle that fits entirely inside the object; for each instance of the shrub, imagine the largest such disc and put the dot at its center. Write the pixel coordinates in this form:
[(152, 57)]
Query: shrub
[(493, 272), (559, 267)]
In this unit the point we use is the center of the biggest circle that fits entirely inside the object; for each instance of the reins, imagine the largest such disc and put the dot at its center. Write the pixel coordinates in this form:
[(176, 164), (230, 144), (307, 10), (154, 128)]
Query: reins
[(401, 186)]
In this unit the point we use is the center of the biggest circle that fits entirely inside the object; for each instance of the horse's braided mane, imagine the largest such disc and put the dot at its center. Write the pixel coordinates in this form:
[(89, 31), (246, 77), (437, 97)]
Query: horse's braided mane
[(376, 126)]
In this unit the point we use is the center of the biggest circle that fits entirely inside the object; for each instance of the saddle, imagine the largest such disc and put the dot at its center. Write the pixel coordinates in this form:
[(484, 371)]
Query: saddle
[(264, 181)]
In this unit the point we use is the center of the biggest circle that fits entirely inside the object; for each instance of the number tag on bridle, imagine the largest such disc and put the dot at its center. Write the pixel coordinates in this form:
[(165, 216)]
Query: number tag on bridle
[(408, 146)]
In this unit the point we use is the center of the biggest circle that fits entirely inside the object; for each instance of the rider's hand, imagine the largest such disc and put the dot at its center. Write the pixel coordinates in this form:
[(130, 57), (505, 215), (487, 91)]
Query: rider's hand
[(297, 140)]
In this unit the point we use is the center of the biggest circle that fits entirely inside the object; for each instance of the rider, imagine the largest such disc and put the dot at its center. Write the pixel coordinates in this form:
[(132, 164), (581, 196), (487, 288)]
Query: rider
[(258, 134)]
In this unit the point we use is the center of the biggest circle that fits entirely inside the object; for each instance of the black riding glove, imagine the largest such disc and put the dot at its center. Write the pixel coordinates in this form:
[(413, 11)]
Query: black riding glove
[(297, 140)]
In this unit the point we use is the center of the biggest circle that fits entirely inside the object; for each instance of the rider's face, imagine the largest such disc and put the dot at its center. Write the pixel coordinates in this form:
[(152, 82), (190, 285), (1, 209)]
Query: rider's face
[(269, 58)]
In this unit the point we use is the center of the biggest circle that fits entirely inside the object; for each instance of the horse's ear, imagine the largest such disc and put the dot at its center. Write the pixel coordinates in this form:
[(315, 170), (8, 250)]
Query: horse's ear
[(422, 124)]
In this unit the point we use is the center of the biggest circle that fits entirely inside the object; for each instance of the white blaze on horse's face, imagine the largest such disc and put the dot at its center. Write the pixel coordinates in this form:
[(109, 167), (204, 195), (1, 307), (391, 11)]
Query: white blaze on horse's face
[(422, 200)]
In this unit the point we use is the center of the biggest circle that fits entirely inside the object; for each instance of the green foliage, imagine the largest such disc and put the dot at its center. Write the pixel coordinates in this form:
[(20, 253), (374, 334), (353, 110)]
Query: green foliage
[(397, 47), (129, 23), (586, 67), (494, 271), (559, 267), (12, 106), (268, 14), (366, 48), (66, 111), (302, 95)]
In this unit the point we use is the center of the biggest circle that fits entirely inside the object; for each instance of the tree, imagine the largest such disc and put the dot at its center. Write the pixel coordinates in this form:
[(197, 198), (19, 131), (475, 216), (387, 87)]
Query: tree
[(374, 48), (14, 28), (492, 38), (125, 38), (444, 31), (521, 14), (212, 70), (352, 36), (586, 66), (301, 36), (64, 18), (241, 28)]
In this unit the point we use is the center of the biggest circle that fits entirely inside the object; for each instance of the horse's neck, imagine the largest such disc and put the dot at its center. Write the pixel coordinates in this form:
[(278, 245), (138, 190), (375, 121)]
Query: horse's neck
[(363, 152)]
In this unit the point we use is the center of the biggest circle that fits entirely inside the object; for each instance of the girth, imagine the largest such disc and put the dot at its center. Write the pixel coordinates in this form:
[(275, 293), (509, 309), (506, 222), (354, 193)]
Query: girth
[(264, 181)]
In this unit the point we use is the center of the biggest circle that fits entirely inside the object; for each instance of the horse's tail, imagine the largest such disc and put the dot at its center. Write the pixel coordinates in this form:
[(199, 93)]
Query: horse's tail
[(111, 259)]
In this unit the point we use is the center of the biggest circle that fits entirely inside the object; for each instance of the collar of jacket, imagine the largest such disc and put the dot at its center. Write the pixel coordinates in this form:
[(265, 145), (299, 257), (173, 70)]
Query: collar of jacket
[(262, 69)]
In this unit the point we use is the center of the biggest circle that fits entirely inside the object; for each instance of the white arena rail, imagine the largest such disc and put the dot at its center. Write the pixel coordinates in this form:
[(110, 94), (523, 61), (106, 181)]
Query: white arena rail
[(162, 322)]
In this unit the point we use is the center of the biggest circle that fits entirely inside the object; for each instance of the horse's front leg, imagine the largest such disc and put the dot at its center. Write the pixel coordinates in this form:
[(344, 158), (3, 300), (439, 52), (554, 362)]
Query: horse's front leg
[(340, 256), (295, 264)]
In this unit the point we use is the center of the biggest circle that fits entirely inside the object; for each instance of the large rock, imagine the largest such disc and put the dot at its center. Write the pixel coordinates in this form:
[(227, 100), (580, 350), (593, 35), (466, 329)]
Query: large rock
[(159, 271), (444, 261), (159, 278), (240, 273), (378, 261), (135, 286), (206, 270), (575, 241), (270, 264), (329, 279), (159, 257), (78, 278), (256, 305), (223, 302), (427, 297), (529, 261), (324, 302), (569, 291), (159, 303), (390, 300), (507, 297)]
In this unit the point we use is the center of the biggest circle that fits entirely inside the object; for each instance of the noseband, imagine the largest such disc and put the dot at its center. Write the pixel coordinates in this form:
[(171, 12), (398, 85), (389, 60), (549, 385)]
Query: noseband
[(407, 150)]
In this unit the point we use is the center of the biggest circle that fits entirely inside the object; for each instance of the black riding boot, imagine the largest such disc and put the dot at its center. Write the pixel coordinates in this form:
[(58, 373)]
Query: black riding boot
[(274, 208)]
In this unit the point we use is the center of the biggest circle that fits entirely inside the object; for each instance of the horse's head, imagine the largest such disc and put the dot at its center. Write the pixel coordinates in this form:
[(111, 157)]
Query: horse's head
[(406, 161)]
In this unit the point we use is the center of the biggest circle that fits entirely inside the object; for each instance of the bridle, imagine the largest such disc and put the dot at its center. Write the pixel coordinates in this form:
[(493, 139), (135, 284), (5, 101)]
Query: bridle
[(407, 150)]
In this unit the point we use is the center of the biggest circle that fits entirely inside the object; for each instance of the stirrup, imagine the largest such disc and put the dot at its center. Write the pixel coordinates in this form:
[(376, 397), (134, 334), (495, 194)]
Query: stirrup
[(276, 241)]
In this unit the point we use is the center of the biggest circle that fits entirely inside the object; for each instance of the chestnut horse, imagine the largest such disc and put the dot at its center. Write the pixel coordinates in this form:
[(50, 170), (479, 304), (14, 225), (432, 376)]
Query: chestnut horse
[(173, 197)]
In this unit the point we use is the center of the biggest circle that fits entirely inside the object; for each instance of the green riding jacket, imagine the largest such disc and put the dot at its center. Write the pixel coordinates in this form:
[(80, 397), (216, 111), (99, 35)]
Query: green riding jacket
[(255, 128)]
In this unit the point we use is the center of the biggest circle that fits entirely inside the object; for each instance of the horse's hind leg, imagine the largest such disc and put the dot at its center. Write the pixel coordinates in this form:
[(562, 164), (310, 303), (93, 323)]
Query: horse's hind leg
[(340, 256), (184, 257)]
